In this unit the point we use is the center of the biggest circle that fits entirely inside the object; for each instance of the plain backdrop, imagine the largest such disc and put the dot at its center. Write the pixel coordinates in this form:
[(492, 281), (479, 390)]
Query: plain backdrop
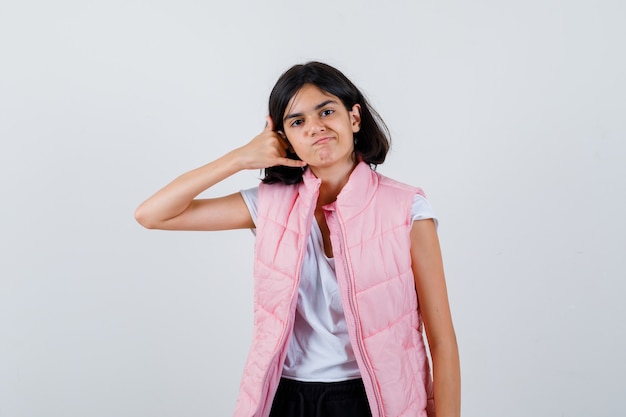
[(510, 115)]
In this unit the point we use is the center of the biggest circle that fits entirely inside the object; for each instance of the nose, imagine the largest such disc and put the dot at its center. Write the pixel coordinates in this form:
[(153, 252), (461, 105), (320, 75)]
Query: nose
[(316, 125)]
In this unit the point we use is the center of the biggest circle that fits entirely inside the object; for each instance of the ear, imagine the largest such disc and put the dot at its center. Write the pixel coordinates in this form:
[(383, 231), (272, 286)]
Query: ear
[(355, 117)]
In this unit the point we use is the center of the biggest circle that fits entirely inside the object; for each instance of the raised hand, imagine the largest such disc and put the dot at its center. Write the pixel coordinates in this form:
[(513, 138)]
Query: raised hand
[(266, 150)]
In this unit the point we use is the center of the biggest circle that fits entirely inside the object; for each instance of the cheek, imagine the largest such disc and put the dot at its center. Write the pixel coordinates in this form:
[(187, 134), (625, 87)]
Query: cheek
[(295, 143), (298, 149)]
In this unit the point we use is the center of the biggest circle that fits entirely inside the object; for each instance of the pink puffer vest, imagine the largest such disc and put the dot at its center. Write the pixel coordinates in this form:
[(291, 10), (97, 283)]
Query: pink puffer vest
[(369, 227)]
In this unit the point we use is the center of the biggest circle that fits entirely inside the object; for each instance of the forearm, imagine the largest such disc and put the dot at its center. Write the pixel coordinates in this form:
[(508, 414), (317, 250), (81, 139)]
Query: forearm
[(175, 197), (447, 380)]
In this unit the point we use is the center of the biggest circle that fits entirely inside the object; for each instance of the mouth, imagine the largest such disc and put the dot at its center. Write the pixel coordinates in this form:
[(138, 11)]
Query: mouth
[(322, 141)]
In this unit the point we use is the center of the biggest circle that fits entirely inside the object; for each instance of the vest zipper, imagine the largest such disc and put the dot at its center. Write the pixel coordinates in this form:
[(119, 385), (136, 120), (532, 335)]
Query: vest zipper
[(357, 326)]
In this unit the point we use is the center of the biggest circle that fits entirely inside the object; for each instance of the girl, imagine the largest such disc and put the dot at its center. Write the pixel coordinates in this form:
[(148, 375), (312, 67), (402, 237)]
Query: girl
[(347, 261)]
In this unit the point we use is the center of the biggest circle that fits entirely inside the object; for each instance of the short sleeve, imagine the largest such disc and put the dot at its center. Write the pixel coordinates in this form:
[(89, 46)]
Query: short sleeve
[(422, 210), (251, 198)]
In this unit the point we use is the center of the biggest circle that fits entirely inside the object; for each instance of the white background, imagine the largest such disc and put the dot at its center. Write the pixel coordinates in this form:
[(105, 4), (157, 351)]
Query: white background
[(510, 114)]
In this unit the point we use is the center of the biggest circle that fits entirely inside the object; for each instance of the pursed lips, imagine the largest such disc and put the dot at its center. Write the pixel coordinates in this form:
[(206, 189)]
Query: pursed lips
[(322, 141)]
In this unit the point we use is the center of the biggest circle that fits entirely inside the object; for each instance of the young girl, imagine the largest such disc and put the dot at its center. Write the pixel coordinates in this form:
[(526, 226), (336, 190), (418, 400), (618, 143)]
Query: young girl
[(347, 262)]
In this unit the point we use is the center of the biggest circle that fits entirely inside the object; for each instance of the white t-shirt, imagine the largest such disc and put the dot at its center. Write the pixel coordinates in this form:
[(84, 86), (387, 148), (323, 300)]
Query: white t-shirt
[(319, 349)]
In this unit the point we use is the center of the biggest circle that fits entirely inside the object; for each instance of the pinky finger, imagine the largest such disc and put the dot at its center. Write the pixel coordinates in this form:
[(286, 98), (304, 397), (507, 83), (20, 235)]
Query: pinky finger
[(294, 163)]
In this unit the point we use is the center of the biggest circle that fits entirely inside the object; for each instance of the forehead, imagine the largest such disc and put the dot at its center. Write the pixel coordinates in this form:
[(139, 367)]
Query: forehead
[(307, 97)]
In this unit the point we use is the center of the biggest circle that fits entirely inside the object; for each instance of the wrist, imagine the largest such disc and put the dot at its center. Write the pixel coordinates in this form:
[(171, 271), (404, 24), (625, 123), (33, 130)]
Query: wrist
[(235, 160)]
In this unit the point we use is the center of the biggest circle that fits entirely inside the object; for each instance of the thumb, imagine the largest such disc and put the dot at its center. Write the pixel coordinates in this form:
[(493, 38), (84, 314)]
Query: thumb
[(269, 124)]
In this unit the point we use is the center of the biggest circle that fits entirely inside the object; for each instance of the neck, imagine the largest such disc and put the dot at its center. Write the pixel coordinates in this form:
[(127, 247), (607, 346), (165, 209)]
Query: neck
[(333, 180)]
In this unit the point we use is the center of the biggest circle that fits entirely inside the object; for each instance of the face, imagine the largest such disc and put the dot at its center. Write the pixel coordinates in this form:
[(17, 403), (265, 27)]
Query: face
[(320, 128)]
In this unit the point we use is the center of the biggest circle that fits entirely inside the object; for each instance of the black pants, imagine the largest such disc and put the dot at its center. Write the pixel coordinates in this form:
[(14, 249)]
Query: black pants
[(320, 399)]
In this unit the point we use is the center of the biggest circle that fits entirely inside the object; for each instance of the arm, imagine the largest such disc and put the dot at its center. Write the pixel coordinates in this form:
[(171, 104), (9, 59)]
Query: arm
[(433, 300), (175, 206)]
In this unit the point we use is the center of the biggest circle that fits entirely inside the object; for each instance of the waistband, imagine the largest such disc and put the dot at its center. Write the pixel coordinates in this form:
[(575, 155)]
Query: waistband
[(330, 390)]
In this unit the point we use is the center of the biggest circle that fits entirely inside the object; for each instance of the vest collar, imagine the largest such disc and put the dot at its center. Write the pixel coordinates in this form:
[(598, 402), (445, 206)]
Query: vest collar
[(355, 195)]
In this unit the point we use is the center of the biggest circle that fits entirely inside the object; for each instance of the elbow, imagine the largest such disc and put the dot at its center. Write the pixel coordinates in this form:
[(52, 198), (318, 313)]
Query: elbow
[(144, 218), (445, 348)]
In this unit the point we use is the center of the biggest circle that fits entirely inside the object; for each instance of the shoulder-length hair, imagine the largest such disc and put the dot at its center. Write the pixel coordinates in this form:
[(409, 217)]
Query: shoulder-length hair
[(373, 140)]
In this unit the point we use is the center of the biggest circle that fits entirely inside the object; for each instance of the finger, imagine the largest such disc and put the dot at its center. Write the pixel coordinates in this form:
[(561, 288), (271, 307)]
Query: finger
[(269, 124), (294, 163), (283, 140)]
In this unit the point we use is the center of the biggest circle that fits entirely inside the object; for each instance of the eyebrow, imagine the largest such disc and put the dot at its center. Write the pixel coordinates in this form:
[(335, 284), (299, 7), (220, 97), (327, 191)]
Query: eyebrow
[(319, 106)]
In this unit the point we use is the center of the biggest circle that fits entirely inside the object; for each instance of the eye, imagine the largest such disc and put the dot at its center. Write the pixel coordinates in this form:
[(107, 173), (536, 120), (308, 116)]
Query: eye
[(327, 112), (296, 122)]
